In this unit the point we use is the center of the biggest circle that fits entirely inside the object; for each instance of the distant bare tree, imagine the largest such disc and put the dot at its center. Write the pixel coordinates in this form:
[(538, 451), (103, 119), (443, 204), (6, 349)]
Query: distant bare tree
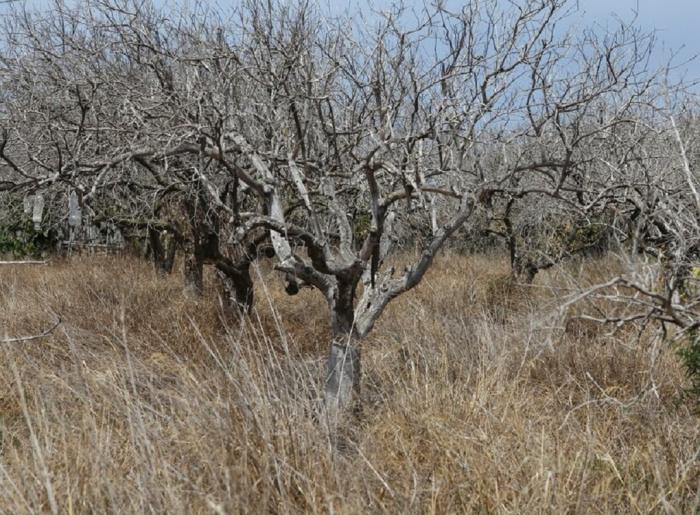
[(662, 282)]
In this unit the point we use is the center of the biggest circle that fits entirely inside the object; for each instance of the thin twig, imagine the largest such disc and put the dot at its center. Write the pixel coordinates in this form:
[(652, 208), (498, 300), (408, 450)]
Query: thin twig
[(23, 263), (34, 337)]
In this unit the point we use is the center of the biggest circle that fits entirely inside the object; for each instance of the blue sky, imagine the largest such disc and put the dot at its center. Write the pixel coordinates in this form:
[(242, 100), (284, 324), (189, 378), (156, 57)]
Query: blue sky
[(674, 21)]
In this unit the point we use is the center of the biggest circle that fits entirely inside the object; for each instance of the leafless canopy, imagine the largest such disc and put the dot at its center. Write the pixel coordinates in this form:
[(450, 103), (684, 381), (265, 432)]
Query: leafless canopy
[(326, 140)]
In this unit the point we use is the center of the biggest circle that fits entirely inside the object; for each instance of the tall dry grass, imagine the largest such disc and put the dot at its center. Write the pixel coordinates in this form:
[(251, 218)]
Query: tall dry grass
[(477, 397)]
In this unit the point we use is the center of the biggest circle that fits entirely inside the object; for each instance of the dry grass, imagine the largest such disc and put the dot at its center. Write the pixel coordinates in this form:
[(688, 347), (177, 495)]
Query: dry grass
[(475, 400)]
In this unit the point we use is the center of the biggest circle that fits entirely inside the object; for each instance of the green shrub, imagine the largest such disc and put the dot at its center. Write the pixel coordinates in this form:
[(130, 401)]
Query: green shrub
[(22, 239)]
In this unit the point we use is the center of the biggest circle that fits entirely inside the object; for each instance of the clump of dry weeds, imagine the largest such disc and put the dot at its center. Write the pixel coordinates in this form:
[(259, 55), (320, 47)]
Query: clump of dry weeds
[(146, 401)]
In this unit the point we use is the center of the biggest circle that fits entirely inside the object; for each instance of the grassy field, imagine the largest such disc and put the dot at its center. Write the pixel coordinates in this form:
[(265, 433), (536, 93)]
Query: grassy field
[(478, 396)]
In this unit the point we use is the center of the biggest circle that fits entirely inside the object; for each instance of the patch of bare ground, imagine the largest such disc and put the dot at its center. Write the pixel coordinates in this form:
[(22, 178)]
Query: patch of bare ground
[(478, 397)]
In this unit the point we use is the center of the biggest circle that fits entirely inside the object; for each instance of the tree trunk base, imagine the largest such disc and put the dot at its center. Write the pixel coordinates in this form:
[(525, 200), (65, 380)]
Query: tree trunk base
[(235, 292), (193, 273), (342, 390)]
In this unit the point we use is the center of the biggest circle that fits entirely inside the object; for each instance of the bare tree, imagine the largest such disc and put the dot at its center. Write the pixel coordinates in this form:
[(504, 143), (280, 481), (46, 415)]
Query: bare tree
[(451, 114)]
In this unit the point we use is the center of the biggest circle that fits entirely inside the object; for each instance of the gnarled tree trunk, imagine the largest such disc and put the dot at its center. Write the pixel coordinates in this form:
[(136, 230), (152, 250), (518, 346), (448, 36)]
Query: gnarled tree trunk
[(163, 247), (522, 269), (236, 285)]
